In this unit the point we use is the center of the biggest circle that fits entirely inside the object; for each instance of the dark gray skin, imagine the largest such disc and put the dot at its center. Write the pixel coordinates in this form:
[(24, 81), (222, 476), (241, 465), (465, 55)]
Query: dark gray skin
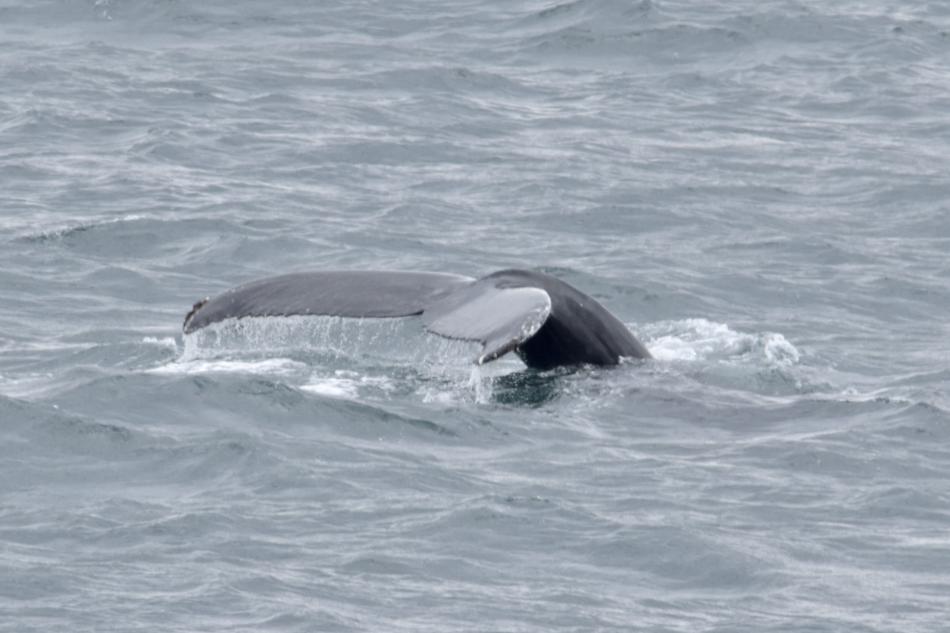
[(551, 324), (579, 329)]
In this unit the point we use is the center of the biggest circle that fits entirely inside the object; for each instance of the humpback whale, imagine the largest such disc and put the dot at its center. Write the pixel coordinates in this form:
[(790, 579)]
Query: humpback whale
[(543, 319)]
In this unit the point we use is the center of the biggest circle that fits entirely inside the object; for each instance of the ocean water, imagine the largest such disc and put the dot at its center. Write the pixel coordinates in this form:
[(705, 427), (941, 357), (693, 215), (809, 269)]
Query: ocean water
[(760, 190)]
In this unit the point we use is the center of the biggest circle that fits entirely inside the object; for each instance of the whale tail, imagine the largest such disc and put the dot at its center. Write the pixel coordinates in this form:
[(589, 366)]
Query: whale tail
[(545, 320)]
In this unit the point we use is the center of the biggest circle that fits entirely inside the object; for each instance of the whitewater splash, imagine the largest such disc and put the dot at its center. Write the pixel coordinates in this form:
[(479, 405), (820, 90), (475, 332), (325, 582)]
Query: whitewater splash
[(339, 358), (381, 359), (704, 340)]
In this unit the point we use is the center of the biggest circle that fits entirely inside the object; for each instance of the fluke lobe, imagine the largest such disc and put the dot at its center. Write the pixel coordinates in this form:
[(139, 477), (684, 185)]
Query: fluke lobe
[(546, 321)]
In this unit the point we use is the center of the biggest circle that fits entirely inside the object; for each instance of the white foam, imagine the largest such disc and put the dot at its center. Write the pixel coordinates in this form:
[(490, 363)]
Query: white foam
[(333, 387), (166, 341), (346, 384), (701, 339), (26, 385), (271, 366), (778, 350), (441, 397)]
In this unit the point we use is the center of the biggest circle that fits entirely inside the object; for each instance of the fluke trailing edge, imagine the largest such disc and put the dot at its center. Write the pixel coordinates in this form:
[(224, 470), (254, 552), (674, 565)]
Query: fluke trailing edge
[(546, 321)]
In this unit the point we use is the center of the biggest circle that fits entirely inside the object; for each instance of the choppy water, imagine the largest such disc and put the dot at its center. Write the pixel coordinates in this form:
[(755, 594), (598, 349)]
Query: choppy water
[(759, 189)]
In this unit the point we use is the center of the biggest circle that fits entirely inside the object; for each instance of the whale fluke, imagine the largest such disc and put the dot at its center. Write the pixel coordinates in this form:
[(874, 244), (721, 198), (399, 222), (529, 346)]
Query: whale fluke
[(546, 321), (343, 293)]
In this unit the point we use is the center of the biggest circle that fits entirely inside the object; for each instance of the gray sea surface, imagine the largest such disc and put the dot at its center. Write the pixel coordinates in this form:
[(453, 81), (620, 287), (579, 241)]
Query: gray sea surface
[(759, 189)]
